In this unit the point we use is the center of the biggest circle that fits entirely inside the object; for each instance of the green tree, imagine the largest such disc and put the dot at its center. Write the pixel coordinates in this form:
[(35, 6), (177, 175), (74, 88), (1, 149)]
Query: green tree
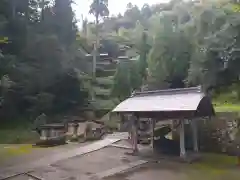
[(144, 49), (40, 58), (99, 8), (216, 56), (122, 82), (169, 57)]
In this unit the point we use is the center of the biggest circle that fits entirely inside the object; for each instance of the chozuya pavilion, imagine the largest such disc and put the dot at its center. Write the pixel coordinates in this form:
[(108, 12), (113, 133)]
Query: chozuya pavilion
[(171, 104)]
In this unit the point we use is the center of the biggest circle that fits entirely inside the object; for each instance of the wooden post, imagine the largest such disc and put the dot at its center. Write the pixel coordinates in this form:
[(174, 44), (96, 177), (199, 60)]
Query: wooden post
[(75, 130), (182, 140), (175, 134), (135, 134), (195, 135), (238, 154), (152, 131)]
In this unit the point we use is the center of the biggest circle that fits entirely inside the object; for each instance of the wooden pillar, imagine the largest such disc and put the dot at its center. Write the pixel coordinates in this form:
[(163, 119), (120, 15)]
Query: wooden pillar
[(175, 134), (182, 140), (75, 130), (135, 134), (152, 132), (195, 135), (121, 122)]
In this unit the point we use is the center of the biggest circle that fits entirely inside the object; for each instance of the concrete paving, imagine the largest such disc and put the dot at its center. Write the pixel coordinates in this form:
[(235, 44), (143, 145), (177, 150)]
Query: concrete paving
[(93, 161), (120, 169), (152, 171), (118, 135), (46, 161), (156, 174)]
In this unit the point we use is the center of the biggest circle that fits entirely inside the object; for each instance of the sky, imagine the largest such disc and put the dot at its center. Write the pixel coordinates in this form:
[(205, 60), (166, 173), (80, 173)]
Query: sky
[(81, 7)]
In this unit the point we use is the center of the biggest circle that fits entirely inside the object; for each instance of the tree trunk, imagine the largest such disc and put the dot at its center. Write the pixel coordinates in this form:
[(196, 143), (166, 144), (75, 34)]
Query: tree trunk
[(27, 11), (13, 9), (42, 9)]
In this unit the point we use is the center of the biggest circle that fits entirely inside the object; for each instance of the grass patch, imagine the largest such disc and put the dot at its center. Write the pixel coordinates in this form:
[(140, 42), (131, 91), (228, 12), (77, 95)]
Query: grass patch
[(216, 161), (226, 107), (212, 174), (17, 136), (227, 100), (215, 167), (17, 132), (10, 151)]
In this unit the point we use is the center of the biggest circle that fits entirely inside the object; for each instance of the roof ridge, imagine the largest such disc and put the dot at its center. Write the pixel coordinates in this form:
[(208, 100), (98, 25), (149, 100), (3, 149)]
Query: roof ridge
[(197, 89)]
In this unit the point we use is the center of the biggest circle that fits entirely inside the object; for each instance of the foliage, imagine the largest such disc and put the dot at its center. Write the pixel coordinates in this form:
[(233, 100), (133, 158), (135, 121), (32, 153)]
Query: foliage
[(17, 136), (190, 43), (43, 67), (40, 63), (126, 79), (220, 134), (99, 8)]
